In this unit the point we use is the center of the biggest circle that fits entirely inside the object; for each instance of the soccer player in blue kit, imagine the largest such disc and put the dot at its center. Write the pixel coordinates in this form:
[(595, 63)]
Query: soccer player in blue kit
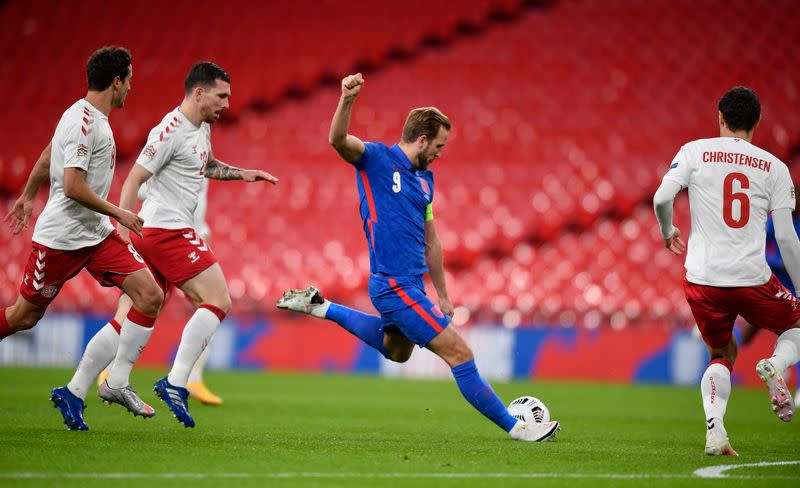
[(395, 188)]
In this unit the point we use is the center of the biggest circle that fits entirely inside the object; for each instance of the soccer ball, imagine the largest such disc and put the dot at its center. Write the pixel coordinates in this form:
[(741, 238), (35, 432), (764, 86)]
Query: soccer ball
[(529, 409)]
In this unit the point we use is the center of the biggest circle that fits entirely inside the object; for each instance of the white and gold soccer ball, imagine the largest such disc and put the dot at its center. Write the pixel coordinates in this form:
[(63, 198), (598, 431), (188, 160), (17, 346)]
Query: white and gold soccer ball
[(529, 409)]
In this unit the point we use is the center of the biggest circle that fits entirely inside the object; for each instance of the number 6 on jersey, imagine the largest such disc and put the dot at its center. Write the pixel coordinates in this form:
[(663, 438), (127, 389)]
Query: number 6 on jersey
[(729, 196)]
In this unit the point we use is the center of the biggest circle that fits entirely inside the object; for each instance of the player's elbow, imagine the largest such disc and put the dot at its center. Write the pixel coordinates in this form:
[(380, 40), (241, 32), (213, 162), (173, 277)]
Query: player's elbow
[(337, 141), (71, 189), (661, 200)]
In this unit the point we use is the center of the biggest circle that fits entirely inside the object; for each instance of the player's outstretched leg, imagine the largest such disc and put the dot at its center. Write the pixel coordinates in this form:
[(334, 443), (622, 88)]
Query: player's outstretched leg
[(715, 388), (449, 345), (71, 408), (368, 328), (771, 370)]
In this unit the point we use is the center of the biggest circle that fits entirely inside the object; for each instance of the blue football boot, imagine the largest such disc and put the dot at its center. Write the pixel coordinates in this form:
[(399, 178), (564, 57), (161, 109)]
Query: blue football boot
[(71, 408), (176, 398)]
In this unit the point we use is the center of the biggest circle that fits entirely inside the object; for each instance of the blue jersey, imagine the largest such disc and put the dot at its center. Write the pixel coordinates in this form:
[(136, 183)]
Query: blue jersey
[(395, 200)]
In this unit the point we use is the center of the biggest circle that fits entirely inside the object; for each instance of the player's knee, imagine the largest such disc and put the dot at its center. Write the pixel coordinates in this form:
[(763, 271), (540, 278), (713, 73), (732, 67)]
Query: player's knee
[(149, 300), (223, 302), (400, 355)]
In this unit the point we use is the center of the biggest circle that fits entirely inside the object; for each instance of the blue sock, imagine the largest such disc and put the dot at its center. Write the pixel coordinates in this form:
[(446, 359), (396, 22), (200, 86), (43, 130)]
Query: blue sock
[(478, 392), (366, 327)]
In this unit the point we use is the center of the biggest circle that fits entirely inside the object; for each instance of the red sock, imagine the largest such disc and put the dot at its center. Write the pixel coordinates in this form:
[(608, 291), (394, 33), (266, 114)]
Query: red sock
[(141, 319), (5, 329), (723, 362)]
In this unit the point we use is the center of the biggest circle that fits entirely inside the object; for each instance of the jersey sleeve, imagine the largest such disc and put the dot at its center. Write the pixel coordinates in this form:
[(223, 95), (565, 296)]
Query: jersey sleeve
[(782, 194), (78, 146), (366, 159), (157, 151), (680, 169)]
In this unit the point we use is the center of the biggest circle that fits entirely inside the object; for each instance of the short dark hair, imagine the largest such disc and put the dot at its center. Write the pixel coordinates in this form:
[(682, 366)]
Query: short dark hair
[(424, 121), (740, 108), (205, 74), (105, 64)]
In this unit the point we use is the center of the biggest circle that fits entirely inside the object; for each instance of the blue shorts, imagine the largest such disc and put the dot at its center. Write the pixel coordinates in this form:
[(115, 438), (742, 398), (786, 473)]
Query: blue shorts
[(404, 306)]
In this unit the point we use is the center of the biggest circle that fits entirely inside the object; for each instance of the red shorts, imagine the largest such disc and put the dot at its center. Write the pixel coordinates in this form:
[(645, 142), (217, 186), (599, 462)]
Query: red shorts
[(47, 270), (769, 306), (174, 255)]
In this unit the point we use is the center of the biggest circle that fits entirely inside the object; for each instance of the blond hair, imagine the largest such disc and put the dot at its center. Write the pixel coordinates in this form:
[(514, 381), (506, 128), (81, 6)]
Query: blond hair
[(424, 121)]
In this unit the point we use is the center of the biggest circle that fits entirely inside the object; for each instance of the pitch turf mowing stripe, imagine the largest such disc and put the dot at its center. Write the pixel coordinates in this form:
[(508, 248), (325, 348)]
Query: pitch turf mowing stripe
[(709, 472)]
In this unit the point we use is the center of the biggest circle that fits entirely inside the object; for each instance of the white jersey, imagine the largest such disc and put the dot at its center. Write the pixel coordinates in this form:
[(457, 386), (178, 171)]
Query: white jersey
[(83, 139), (733, 185), (176, 154), (200, 224)]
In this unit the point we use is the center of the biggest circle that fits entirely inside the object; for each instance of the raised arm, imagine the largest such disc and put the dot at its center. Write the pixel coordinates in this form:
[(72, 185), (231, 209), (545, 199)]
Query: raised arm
[(662, 204), (20, 213), (435, 260), (76, 188), (217, 170), (788, 243), (349, 147)]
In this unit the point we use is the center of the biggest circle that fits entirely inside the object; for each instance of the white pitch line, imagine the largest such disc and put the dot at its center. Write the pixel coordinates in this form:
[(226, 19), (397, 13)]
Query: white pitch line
[(323, 475), (719, 471)]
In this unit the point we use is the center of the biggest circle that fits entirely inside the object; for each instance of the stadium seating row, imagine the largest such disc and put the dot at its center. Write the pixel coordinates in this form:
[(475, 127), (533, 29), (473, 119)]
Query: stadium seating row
[(564, 118)]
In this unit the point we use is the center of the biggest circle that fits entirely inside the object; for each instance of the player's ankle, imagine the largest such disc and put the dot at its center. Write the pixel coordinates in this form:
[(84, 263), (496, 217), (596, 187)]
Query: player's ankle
[(320, 310)]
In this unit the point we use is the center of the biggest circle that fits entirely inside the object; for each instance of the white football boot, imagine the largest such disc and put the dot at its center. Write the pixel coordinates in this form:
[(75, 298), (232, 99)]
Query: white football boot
[(309, 301), (717, 443), (534, 431), (779, 394)]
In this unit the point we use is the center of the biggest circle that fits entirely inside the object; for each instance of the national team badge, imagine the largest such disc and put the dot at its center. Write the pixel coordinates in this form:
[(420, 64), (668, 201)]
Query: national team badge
[(425, 187), (82, 151), (49, 291)]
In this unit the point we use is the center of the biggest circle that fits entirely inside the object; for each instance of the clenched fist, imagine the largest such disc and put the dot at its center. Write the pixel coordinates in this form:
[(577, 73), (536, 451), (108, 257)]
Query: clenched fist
[(352, 85)]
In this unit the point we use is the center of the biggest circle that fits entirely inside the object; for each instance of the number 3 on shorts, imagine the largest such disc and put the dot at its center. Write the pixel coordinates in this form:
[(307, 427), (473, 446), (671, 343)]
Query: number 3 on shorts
[(135, 254)]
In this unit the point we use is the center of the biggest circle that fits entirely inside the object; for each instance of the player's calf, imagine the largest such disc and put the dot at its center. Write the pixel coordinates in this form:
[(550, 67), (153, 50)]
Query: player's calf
[(23, 315)]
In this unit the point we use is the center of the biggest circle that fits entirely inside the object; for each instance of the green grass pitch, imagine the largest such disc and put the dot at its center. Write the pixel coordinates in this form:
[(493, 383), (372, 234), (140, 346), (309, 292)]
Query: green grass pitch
[(334, 430)]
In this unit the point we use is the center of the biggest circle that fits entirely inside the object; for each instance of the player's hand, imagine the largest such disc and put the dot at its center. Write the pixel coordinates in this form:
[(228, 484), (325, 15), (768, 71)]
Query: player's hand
[(124, 233), (131, 221), (251, 175), (675, 243), (447, 306), (352, 85), (19, 215)]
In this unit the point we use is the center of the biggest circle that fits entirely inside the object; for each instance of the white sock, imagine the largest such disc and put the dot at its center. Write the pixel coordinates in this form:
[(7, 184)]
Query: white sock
[(196, 376), (787, 350), (132, 340), (320, 310), (196, 336), (715, 388), (98, 355)]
